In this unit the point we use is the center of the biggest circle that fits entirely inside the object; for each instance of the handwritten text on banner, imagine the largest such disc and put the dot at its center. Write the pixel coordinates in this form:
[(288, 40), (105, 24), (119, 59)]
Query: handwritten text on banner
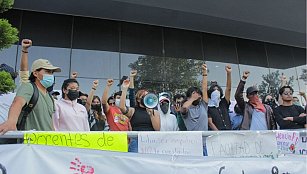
[(171, 143), (242, 145), (112, 141)]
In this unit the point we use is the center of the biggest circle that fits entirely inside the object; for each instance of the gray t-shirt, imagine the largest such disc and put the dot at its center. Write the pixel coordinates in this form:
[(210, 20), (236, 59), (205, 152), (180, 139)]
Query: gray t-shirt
[(196, 118)]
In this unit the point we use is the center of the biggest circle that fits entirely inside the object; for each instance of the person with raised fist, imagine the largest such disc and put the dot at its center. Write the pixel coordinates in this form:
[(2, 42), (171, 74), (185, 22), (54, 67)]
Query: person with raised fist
[(256, 115), (218, 116)]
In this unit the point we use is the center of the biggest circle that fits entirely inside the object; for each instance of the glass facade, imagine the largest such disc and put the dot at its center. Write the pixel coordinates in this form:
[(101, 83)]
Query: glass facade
[(167, 59)]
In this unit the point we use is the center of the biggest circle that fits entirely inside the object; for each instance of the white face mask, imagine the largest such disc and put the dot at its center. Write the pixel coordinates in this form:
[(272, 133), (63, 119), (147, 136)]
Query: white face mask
[(117, 101), (215, 98)]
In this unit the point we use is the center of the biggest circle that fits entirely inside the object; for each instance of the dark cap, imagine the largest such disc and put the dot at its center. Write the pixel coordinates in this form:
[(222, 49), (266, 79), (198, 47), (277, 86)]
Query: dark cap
[(251, 89), (122, 80)]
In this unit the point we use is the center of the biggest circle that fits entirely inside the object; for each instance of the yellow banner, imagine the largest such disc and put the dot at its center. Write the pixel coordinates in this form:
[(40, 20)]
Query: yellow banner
[(112, 141)]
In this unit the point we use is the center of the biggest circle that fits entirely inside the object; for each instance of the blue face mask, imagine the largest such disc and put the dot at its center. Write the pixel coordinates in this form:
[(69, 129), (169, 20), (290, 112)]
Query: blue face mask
[(47, 80)]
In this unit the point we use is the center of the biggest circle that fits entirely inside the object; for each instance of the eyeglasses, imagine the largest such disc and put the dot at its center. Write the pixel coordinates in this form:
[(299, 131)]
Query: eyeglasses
[(287, 93), (111, 104)]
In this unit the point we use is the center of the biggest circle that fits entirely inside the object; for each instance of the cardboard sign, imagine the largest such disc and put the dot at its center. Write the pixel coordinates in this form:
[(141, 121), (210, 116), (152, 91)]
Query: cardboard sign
[(171, 143), (301, 148), (250, 144), (112, 141)]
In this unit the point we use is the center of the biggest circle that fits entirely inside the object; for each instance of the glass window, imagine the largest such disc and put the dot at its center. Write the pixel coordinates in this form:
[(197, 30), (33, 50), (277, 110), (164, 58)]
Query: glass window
[(299, 55), (183, 44), (95, 34), (95, 64), (57, 56), (85, 85), (281, 62), (8, 56), (141, 39), (46, 29), (150, 70)]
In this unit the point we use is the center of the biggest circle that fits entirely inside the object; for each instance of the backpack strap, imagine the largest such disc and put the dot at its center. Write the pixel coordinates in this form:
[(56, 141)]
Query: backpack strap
[(27, 108)]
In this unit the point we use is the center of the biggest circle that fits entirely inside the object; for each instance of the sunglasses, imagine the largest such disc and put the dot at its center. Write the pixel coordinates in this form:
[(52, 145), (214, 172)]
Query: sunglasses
[(287, 93)]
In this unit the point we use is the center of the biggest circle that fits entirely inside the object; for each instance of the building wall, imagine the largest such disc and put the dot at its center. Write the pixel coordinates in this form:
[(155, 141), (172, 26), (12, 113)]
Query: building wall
[(102, 49)]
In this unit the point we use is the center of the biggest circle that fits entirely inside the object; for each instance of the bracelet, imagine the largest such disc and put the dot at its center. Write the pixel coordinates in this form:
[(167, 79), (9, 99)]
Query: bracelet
[(24, 51), (93, 88), (205, 75)]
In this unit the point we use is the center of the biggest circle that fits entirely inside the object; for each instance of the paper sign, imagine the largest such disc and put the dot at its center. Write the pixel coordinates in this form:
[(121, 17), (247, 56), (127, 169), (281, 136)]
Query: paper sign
[(287, 141), (112, 141), (251, 144), (302, 146), (171, 143)]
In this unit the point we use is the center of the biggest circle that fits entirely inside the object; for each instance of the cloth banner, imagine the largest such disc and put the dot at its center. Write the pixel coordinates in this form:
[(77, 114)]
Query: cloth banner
[(38, 159)]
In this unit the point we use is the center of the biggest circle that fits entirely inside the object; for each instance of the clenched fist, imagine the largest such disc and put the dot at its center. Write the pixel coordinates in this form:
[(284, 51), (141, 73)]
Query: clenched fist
[(110, 82), (26, 43), (245, 74)]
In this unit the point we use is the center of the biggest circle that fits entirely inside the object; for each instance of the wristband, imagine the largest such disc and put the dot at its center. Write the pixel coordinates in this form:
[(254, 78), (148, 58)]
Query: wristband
[(93, 88), (24, 51)]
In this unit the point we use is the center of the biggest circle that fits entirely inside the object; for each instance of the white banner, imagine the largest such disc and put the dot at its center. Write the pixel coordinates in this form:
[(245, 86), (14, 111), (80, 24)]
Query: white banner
[(37, 159), (252, 144), (171, 143), (302, 146)]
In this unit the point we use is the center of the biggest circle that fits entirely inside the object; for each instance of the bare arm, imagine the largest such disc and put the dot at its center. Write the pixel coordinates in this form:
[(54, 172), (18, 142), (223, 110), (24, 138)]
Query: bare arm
[(155, 119), (228, 83), (91, 95), (122, 105), (105, 95), (25, 43), (14, 113), (204, 83)]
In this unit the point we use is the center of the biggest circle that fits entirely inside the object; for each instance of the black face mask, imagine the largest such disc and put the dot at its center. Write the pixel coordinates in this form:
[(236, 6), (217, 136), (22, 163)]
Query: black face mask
[(96, 107), (164, 107), (82, 102), (72, 94)]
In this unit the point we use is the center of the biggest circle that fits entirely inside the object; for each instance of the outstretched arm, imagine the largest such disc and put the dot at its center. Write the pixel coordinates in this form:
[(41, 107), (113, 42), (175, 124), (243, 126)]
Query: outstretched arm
[(122, 105), (239, 92), (24, 69), (91, 95), (204, 83), (105, 95), (228, 83)]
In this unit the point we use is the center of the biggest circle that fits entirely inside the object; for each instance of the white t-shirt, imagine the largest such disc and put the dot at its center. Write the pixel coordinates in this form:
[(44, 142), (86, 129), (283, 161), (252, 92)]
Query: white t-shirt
[(6, 101)]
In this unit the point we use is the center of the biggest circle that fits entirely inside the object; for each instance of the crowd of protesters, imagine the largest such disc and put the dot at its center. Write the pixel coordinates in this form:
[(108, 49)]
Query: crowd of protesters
[(200, 109)]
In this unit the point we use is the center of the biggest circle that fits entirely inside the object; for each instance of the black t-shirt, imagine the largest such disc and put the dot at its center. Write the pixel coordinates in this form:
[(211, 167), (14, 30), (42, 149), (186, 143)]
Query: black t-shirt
[(220, 116), (294, 111), (140, 121)]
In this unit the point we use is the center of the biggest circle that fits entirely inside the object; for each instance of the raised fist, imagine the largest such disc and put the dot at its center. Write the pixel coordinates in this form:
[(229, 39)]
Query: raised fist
[(110, 82), (74, 75), (126, 84), (133, 73), (204, 69), (228, 68), (26, 43), (95, 84), (245, 74)]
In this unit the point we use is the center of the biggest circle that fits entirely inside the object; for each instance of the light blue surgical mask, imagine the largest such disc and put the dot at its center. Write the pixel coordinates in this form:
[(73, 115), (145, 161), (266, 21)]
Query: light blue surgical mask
[(215, 98), (47, 80)]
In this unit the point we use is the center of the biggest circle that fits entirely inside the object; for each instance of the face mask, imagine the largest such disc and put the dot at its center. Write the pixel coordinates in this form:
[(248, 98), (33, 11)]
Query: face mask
[(117, 101), (164, 107), (96, 107), (82, 102), (72, 94), (47, 81), (215, 98)]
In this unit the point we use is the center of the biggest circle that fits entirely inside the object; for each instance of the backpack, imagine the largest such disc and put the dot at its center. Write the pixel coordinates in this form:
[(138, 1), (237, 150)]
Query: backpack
[(27, 108)]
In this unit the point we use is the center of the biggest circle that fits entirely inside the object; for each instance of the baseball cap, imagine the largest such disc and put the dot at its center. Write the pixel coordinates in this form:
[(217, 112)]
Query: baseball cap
[(45, 64), (251, 89)]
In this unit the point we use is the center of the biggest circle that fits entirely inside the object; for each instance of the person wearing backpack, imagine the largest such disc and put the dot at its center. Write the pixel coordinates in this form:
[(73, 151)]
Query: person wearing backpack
[(40, 116)]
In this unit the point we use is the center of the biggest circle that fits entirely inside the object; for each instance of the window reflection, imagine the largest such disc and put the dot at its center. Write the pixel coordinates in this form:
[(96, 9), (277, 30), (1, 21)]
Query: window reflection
[(57, 56), (95, 64), (8, 56), (257, 77)]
